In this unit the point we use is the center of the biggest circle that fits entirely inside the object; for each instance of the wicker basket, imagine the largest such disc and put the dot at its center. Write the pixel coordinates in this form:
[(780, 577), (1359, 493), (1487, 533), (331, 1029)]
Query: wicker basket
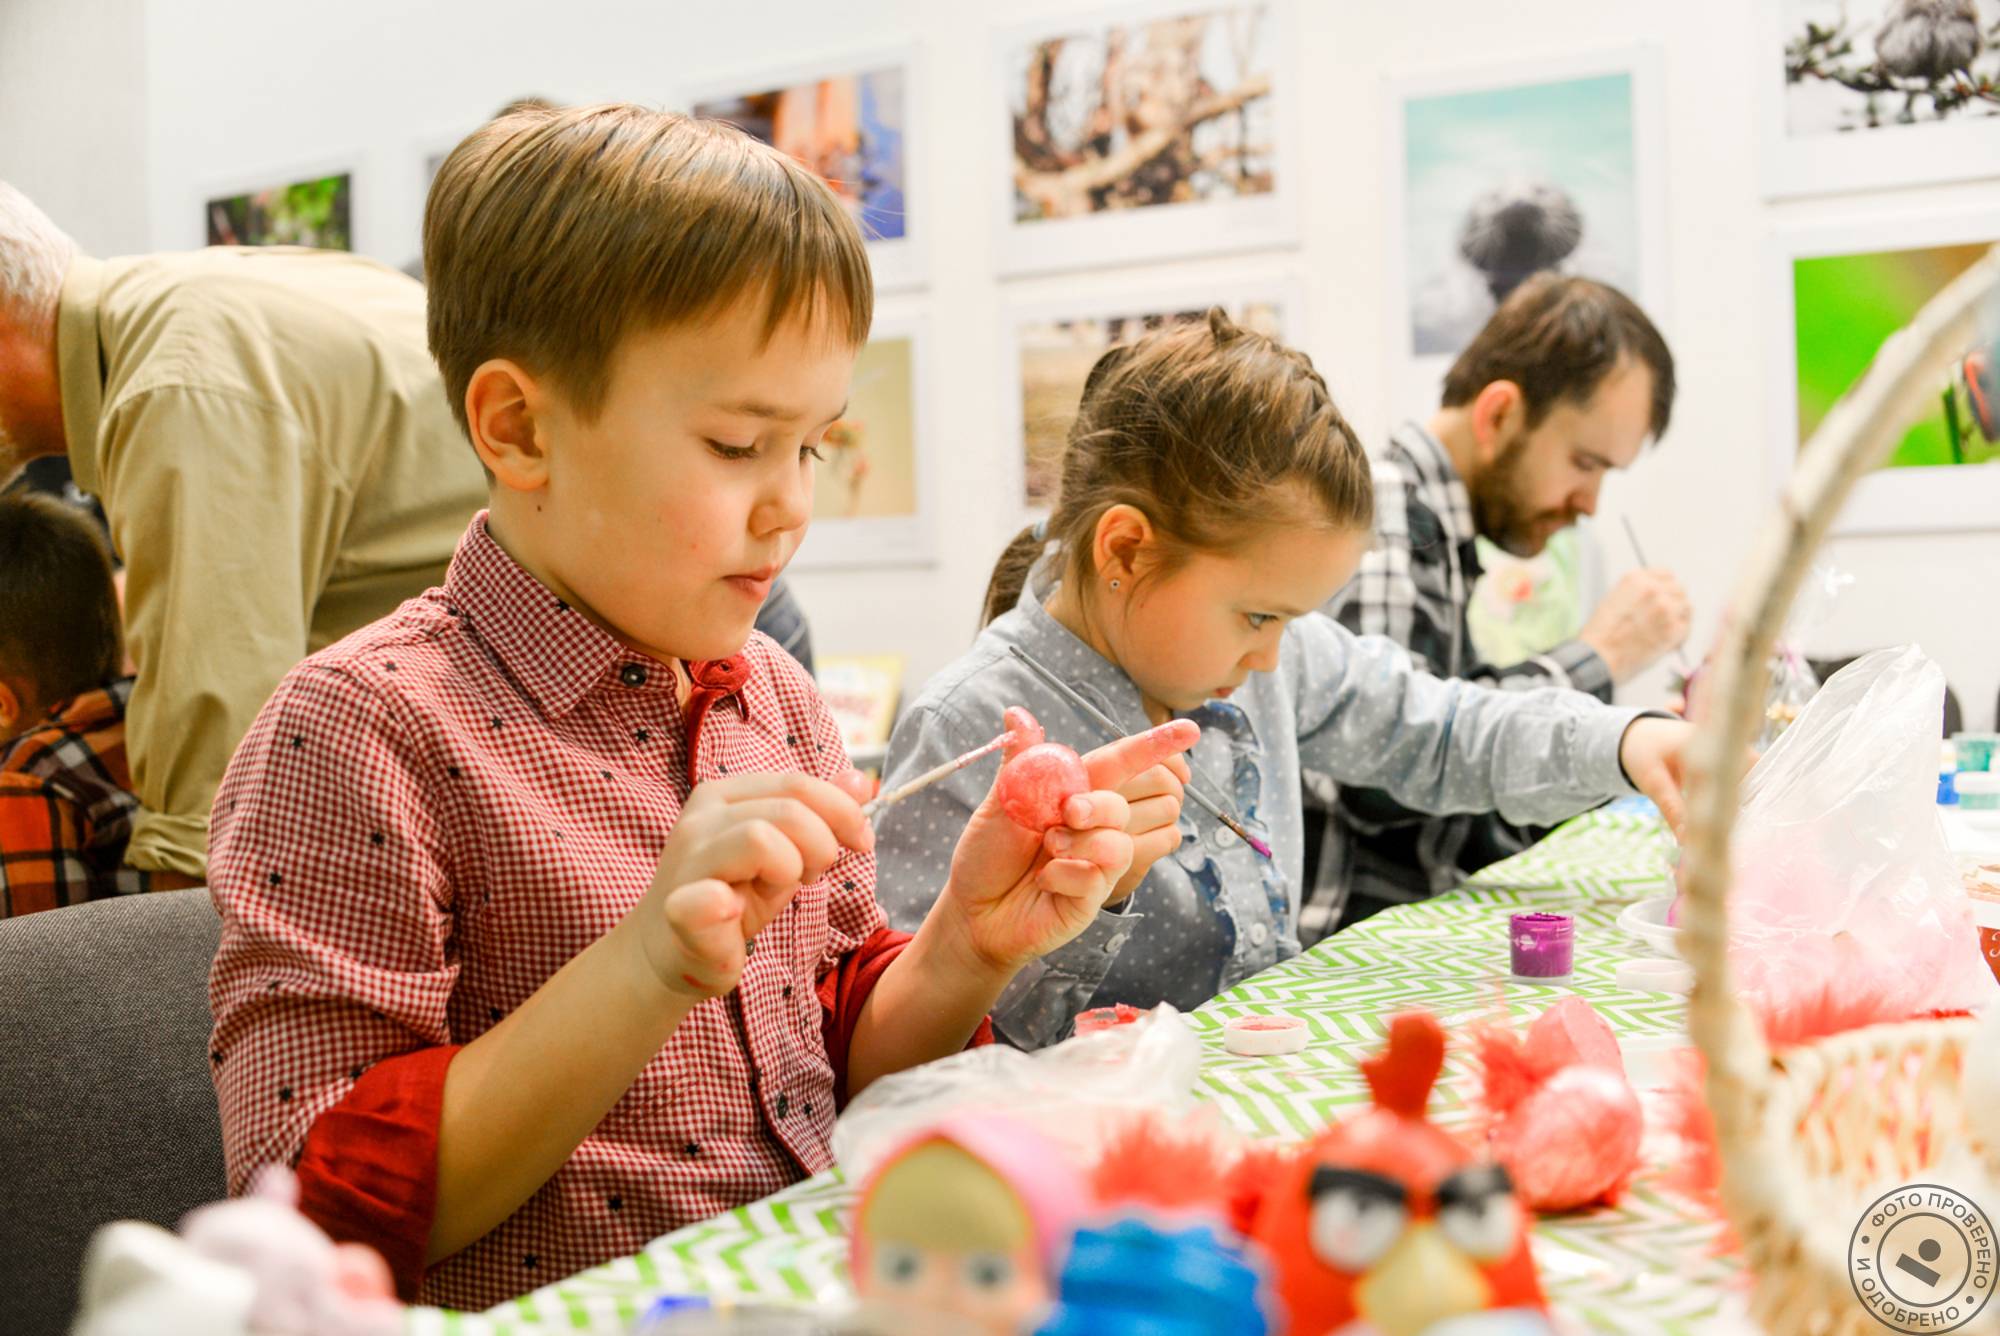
[(1805, 1134)]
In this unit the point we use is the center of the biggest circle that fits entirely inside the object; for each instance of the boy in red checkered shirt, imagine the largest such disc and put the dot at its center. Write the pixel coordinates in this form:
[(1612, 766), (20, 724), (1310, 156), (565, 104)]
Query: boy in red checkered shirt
[(548, 911), (66, 797)]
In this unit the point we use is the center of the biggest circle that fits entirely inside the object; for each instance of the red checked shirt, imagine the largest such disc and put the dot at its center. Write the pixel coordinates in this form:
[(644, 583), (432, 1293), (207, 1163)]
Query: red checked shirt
[(431, 817)]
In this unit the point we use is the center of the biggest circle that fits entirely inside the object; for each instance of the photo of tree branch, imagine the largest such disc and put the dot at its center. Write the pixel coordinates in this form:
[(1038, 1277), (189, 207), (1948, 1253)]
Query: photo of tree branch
[(306, 213), (1868, 64), (1169, 112)]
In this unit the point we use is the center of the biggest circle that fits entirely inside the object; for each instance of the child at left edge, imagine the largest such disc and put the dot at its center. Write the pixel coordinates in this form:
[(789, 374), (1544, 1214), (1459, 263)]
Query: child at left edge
[(548, 905)]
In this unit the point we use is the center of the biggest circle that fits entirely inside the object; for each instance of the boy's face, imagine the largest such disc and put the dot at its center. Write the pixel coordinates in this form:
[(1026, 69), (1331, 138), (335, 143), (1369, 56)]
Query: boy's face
[(668, 515)]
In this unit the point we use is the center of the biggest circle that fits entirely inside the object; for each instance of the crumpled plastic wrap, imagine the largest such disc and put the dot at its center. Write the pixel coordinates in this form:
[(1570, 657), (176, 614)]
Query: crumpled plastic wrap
[(1075, 1093)]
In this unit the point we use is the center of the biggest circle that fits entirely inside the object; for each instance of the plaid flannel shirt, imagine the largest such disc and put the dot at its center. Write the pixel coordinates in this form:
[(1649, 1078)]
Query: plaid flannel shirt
[(1414, 588), (66, 808)]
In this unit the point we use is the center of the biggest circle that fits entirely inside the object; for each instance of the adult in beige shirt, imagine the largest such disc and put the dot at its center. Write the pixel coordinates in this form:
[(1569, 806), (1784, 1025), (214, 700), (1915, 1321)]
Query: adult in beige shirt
[(271, 444)]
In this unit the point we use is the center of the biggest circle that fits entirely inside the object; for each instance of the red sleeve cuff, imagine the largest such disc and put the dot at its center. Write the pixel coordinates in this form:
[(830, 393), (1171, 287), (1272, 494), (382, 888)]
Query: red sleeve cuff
[(368, 1173), (844, 991)]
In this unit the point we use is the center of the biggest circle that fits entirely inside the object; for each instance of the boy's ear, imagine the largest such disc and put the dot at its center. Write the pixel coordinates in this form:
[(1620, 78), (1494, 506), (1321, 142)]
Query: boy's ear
[(503, 408), (1124, 540), (11, 708)]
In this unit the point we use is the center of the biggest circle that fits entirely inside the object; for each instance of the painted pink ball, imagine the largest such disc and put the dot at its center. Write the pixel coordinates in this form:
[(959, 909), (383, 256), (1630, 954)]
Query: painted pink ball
[(1573, 1142), (1037, 783)]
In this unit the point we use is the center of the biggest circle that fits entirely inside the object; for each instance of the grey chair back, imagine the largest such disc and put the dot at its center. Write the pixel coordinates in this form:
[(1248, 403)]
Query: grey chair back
[(106, 1108)]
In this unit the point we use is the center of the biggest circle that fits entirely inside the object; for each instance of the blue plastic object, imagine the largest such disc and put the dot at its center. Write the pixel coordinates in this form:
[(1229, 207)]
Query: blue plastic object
[(1132, 1278)]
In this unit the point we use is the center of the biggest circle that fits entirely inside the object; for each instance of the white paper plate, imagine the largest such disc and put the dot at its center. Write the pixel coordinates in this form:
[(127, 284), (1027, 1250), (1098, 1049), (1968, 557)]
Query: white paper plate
[(1647, 920)]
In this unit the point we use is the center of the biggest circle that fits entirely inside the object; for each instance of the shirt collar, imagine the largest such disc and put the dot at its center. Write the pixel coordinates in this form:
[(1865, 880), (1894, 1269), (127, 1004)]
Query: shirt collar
[(557, 655), (1102, 681), (1427, 460), (80, 366)]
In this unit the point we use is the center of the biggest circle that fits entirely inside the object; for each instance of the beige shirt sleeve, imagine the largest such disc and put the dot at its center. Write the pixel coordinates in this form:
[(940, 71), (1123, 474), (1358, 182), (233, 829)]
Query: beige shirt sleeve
[(230, 523)]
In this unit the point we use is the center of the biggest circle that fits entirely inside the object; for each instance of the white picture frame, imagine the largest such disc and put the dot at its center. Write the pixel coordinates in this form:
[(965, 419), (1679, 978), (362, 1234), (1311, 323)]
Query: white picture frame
[(1892, 156), (220, 187), (1279, 287), (427, 153), (1415, 377), (1908, 500), (833, 542), (899, 263), (1162, 231)]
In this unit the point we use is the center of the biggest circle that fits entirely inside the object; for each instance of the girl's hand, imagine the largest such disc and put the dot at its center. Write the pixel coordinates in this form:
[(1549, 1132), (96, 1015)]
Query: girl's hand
[(1014, 895), (1154, 798), (1653, 754), (742, 848)]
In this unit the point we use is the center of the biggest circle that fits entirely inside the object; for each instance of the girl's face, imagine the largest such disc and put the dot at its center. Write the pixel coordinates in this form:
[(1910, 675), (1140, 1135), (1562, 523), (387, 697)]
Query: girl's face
[(1196, 633)]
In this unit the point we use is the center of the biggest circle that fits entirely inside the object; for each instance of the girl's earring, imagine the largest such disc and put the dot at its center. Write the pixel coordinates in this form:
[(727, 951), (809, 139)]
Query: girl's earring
[(1114, 584)]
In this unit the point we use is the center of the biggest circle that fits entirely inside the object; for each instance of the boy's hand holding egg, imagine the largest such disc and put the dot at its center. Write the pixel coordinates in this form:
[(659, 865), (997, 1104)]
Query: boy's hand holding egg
[(1046, 849)]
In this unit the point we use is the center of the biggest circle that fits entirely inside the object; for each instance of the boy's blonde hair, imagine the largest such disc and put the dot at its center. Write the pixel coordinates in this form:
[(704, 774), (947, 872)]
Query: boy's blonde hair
[(551, 234)]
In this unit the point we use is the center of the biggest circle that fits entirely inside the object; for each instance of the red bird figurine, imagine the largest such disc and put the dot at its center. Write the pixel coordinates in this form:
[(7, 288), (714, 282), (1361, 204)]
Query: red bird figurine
[(1384, 1223)]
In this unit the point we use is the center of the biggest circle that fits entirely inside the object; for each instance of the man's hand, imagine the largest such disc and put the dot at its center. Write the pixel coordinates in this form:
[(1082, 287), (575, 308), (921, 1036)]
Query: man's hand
[(1643, 617)]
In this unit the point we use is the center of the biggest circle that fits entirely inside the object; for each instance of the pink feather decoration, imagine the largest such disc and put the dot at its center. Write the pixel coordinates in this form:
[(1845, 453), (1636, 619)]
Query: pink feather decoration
[(1563, 1119)]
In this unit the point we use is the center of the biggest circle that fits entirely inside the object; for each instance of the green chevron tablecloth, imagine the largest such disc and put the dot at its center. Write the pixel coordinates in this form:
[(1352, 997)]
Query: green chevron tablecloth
[(1650, 1265)]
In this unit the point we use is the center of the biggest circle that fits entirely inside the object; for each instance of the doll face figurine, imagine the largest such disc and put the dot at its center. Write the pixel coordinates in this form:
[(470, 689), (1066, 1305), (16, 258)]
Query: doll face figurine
[(963, 1222), (942, 1234)]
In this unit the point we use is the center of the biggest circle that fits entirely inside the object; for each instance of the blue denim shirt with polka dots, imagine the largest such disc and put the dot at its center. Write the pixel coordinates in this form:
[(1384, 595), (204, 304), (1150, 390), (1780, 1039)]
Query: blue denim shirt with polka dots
[(1215, 911)]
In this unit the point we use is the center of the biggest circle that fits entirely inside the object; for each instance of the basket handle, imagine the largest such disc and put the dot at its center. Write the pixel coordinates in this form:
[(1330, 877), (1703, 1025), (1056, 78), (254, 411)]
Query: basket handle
[(1860, 431)]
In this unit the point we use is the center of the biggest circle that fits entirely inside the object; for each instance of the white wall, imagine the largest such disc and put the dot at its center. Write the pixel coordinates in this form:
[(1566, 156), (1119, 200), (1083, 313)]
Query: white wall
[(233, 93), (72, 114)]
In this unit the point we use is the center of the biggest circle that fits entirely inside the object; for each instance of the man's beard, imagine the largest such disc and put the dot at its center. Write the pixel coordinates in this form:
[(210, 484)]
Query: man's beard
[(1500, 514)]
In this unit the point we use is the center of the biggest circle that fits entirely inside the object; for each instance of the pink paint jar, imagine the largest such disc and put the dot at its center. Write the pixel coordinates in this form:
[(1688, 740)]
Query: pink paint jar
[(1542, 945)]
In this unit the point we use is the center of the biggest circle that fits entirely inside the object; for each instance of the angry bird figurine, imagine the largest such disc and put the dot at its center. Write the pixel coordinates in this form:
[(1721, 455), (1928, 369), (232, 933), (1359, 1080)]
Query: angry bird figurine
[(1384, 1224)]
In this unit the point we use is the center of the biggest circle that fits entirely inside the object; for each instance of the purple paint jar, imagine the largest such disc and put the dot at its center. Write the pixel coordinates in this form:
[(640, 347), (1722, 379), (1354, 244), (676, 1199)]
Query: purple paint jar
[(1543, 945)]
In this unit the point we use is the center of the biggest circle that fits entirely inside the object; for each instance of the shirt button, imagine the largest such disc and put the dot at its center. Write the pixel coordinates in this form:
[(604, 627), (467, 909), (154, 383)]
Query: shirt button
[(1225, 838), (750, 948), (784, 1104), (633, 674), (1114, 945), (1259, 934)]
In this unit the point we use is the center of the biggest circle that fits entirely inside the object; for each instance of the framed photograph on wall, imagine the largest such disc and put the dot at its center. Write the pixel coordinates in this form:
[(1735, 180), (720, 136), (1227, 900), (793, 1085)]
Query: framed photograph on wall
[(426, 157), (1499, 173), (1868, 94), (1146, 132), (308, 207), (1836, 293), (873, 492), (1051, 346), (853, 121)]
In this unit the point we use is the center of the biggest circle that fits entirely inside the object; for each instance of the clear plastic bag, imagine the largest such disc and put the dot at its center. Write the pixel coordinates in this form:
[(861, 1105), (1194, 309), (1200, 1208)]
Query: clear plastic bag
[(1073, 1093), (1846, 907)]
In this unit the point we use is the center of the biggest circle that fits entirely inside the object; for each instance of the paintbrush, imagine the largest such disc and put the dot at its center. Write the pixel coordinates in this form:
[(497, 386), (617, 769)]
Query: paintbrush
[(1104, 721), (1680, 659), (875, 805)]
